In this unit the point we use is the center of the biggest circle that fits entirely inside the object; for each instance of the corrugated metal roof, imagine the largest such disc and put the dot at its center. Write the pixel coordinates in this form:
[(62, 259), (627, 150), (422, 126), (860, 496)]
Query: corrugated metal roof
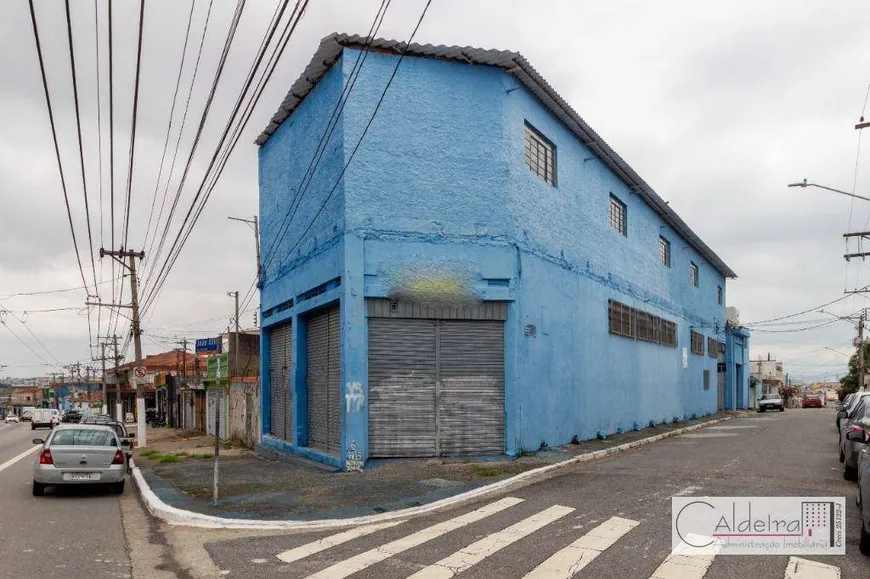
[(516, 65)]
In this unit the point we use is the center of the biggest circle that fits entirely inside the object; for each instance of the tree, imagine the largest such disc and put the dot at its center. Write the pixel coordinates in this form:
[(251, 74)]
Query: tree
[(850, 381)]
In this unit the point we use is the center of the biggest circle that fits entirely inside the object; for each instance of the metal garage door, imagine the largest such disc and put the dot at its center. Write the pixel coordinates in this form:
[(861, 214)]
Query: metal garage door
[(280, 393), (401, 387), (323, 381), (436, 386)]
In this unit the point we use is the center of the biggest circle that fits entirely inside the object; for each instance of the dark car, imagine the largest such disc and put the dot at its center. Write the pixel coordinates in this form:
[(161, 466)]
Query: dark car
[(812, 402), (71, 417), (770, 402)]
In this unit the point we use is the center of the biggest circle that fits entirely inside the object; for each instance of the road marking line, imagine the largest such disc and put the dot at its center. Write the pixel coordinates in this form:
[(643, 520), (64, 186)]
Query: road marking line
[(677, 566), (798, 568), (570, 560), (368, 558), (479, 550), (12, 461), (333, 540)]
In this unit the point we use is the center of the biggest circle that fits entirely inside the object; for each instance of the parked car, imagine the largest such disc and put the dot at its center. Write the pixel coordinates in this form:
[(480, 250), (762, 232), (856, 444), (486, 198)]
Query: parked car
[(848, 407), (770, 402), (27, 413), (119, 428), (71, 417), (12, 418), (43, 418), (812, 402), (862, 440), (854, 422), (80, 454)]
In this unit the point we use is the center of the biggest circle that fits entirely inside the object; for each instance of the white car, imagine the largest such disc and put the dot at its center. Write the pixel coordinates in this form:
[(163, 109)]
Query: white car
[(10, 418)]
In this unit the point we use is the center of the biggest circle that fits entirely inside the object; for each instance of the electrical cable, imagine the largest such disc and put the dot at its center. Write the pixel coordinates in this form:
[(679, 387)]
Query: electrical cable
[(841, 298), (127, 209)]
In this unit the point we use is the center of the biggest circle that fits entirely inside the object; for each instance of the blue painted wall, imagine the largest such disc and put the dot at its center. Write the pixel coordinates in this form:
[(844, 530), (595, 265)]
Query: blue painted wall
[(737, 379), (439, 187)]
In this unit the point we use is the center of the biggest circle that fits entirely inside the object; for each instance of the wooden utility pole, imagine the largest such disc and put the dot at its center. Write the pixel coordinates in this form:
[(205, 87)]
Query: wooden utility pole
[(235, 367), (859, 342), (119, 256)]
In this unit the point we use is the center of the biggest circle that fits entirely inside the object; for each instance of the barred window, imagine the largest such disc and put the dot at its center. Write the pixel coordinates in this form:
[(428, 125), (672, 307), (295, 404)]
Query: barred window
[(618, 217), (665, 251), (712, 347), (697, 343), (621, 319), (693, 274), (540, 155), (719, 295), (647, 327), (706, 379), (669, 333)]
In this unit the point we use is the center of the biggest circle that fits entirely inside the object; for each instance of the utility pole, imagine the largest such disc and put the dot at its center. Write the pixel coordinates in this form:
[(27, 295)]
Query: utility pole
[(859, 343), (136, 331), (254, 222), (235, 368), (119, 408)]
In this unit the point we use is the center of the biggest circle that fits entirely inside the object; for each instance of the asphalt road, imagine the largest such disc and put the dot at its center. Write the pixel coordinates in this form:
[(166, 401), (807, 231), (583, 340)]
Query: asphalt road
[(72, 534), (791, 453)]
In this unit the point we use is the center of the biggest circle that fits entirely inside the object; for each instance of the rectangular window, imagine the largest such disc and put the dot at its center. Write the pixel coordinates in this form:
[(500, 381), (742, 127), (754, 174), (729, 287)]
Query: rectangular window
[(706, 379), (697, 343), (621, 319), (665, 251), (540, 155), (719, 295), (647, 327), (618, 216), (693, 273), (712, 347)]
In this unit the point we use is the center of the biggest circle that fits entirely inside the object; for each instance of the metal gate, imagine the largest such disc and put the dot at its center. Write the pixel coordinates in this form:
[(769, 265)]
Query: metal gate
[(720, 376), (280, 392), (436, 386), (323, 381)]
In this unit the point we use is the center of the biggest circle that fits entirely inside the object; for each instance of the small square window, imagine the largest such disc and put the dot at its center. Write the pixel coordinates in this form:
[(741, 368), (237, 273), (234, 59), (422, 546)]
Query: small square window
[(693, 273), (665, 251), (618, 216), (719, 295), (540, 155)]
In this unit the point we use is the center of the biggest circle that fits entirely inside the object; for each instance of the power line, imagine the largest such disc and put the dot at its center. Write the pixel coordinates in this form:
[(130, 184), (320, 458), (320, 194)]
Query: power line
[(839, 299), (171, 119), (45, 292), (54, 138), (127, 209), (112, 149), (364, 132), (26, 345), (72, 61), (99, 147)]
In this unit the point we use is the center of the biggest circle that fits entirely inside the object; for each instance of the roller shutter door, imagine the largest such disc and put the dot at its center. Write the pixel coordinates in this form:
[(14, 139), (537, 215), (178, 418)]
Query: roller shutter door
[(401, 387), (280, 393), (436, 387), (471, 387), (323, 381)]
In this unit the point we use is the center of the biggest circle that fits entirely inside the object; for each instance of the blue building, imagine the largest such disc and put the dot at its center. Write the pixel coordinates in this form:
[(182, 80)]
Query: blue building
[(458, 264)]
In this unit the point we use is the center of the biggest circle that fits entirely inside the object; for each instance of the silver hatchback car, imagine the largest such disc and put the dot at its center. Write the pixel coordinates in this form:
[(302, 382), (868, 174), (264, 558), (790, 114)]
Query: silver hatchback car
[(80, 454)]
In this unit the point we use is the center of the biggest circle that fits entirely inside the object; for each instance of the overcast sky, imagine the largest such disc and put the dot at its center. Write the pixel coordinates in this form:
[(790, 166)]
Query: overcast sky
[(717, 108)]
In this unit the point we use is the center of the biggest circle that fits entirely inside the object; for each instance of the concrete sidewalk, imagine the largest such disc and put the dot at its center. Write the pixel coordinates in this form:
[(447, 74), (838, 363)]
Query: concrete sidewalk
[(178, 467)]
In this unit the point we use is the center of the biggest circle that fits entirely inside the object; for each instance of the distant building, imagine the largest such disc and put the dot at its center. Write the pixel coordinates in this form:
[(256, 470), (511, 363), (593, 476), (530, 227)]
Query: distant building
[(767, 375)]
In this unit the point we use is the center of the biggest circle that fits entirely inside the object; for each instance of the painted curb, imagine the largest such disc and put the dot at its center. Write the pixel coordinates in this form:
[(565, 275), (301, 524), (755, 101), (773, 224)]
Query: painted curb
[(180, 517)]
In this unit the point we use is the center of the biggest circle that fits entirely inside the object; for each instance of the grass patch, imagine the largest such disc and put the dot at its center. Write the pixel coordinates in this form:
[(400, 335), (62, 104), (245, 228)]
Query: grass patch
[(149, 453), (201, 456), (170, 458), (488, 470)]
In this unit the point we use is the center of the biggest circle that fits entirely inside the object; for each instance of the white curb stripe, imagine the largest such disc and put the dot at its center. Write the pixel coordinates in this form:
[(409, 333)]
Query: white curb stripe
[(798, 568), (476, 552), (569, 561), (378, 554), (176, 516), (333, 540), (13, 460)]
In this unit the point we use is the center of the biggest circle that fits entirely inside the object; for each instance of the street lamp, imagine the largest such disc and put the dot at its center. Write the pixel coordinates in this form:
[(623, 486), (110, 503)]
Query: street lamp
[(804, 184)]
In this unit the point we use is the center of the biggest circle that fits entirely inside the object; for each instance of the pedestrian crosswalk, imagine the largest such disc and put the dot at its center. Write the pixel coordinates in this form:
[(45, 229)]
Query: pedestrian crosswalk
[(475, 555)]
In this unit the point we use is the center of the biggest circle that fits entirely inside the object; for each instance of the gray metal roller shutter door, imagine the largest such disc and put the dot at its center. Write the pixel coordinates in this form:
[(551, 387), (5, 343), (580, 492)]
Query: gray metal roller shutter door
[(323, 382), (401, 387), (280, 364), (471, 387)]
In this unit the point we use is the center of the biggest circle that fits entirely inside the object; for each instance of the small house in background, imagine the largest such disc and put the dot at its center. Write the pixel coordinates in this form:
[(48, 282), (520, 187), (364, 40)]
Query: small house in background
[(455, 263)]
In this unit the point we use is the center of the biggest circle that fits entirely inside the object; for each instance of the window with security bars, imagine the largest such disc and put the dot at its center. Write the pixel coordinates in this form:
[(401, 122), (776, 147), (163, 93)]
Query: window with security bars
[(647, 327), (712, 347), (693, 273), (540, 155), (621, 319), (669, 333), (665, 251), (697, 343), (618, 215)]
